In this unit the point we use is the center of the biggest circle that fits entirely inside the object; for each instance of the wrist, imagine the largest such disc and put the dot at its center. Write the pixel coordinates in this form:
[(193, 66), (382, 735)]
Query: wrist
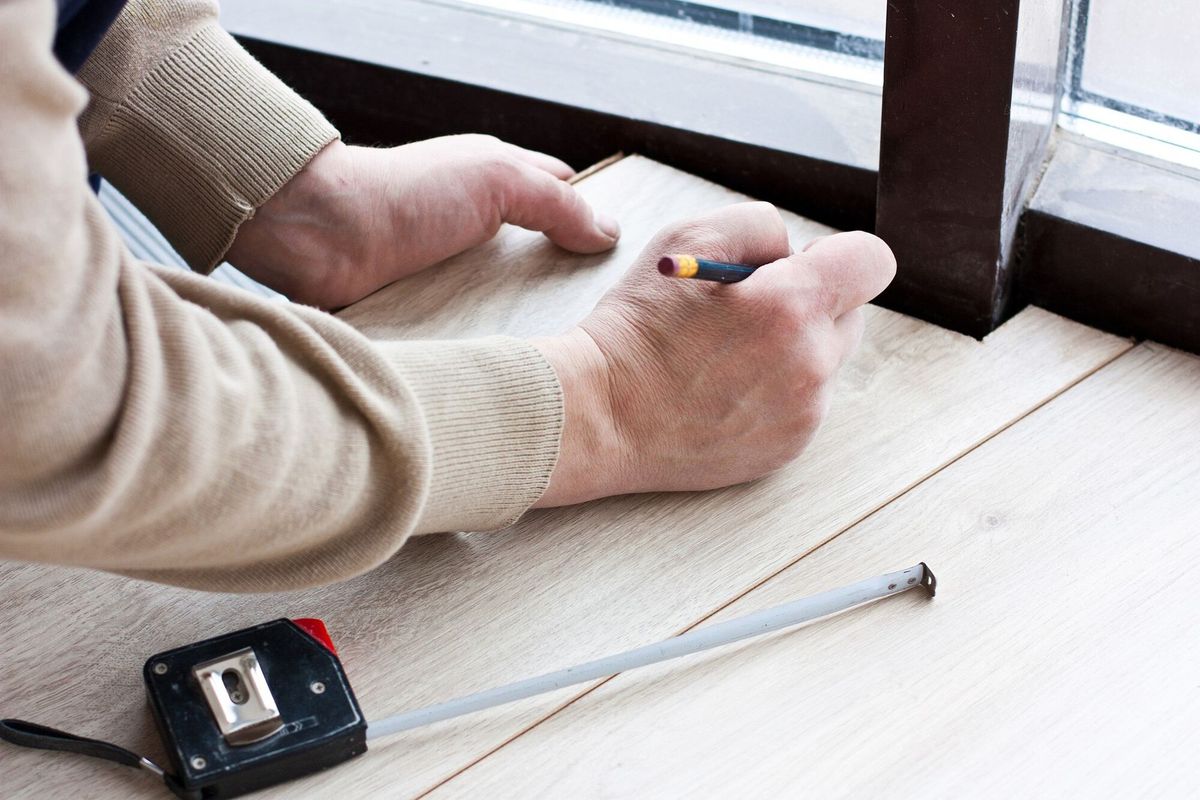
[(593, 454), (294, 242)]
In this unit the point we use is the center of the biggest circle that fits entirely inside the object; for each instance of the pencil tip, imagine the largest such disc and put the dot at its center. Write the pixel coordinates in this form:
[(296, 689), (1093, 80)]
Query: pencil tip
[(668, 265)]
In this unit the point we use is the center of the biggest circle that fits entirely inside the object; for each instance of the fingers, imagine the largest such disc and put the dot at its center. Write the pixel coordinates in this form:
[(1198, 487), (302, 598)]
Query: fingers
[(842, 271), (851, 269), (848, 332), (537, 200), (546, 163), (744, 233), (813, 241)]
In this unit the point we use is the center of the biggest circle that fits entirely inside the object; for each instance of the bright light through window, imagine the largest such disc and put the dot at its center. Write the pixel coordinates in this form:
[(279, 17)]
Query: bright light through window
[(1133, 70), (1134, 76), (864, 18), (826, 40)]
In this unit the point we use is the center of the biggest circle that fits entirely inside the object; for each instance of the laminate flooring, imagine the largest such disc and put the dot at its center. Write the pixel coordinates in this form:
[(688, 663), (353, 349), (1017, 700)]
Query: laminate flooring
[(1043, 473)]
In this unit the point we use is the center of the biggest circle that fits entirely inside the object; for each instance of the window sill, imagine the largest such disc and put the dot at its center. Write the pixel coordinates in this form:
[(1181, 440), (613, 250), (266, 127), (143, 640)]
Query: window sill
[(1110, 240), (397, 71)]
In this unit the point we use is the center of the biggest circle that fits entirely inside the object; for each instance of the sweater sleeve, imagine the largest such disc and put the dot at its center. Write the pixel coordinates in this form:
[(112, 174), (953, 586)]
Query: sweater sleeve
[(190, 127), (157, 424)]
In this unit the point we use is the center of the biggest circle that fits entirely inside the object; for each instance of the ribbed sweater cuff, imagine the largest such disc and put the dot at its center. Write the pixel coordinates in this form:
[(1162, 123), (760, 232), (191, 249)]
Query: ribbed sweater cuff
[(205, 138), (494, 411)]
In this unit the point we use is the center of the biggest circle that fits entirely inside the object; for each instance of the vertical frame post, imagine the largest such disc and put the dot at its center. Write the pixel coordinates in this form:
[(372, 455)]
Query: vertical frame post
[(970, 91)]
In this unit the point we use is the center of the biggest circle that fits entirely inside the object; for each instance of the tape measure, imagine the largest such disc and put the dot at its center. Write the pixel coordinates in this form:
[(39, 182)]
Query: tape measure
[(265, 705)]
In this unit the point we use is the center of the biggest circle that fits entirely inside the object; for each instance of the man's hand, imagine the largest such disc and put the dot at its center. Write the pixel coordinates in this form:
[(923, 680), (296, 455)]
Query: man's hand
[(681, 385), (356, 218)]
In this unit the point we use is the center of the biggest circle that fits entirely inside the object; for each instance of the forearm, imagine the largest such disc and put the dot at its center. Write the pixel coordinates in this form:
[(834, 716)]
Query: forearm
[(190, 127), (158, 424)]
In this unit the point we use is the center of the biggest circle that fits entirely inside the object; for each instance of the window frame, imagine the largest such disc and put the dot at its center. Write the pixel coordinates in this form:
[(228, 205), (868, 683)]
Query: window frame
[(388, 87)]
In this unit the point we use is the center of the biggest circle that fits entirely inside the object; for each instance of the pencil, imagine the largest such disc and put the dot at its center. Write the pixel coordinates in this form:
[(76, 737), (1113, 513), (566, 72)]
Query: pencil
[(701, 269)]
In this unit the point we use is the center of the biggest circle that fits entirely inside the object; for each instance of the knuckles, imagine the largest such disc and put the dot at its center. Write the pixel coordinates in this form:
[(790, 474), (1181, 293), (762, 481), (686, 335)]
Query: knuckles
[(480, 140), (497, 168), (792, 317), (721, 235), (821, 363), (691, 236), (793, 436), (801, 333)]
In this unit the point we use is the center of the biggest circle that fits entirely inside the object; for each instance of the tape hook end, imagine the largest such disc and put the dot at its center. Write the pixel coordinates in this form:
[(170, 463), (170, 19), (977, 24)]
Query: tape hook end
[(928, 579)]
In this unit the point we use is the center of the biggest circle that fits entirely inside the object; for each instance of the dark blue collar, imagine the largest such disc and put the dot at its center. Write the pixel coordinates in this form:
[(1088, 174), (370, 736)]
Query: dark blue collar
[(81, 26)]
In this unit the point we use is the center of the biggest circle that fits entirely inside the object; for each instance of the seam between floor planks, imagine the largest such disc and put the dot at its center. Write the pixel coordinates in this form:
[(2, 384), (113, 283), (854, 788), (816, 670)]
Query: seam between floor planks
[(1050, 398)]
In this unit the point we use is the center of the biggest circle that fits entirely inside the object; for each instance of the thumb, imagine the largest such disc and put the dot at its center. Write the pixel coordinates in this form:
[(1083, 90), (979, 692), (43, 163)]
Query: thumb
[(541, 202)]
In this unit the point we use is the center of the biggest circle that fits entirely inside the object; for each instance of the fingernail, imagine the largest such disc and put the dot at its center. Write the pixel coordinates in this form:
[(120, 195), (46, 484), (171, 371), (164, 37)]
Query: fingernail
[(608, 225), (811, 242)]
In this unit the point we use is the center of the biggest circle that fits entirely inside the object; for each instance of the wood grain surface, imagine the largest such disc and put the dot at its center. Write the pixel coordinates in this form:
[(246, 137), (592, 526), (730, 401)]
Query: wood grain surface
[(1060, 657), (459, 612)]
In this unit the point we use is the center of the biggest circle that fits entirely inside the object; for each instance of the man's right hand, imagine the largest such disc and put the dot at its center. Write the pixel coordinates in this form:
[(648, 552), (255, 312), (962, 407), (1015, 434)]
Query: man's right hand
[(681, 385)]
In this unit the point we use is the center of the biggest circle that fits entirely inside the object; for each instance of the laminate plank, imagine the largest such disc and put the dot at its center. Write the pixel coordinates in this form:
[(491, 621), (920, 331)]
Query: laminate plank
[(459, 612), (1059, 659)]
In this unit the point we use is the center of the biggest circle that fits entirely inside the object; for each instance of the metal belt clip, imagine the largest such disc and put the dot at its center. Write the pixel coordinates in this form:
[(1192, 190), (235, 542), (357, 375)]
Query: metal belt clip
[(239, 697)]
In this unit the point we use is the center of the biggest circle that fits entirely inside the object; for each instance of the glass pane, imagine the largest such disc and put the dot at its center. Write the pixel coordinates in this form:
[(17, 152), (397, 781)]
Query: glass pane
[(857, 17), (837, 40), (1144, 54)]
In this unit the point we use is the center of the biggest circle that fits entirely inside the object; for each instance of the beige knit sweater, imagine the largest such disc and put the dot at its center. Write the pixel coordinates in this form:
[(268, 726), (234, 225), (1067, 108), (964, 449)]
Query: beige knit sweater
[(157, 424)]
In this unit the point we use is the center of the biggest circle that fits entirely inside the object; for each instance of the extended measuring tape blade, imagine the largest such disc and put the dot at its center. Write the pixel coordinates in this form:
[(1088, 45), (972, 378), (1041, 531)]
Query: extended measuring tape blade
[(769, 620), (267, 704)]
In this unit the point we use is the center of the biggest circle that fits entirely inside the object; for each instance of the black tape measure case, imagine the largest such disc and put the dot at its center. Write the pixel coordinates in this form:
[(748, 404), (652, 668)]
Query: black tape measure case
[(254, 708), (238, 712)]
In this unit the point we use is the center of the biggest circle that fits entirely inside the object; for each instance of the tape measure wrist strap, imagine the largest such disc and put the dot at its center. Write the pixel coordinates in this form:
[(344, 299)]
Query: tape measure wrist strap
[(41, 737)]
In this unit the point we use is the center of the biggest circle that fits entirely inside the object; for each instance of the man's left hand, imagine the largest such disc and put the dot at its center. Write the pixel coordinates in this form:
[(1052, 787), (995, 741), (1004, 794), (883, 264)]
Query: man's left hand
[(358, 218)]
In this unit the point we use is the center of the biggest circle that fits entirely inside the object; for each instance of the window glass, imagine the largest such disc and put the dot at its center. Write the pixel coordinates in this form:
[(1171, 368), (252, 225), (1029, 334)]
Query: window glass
[(1133, 78), (857, 17), (1143, 55), (838, 40)]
